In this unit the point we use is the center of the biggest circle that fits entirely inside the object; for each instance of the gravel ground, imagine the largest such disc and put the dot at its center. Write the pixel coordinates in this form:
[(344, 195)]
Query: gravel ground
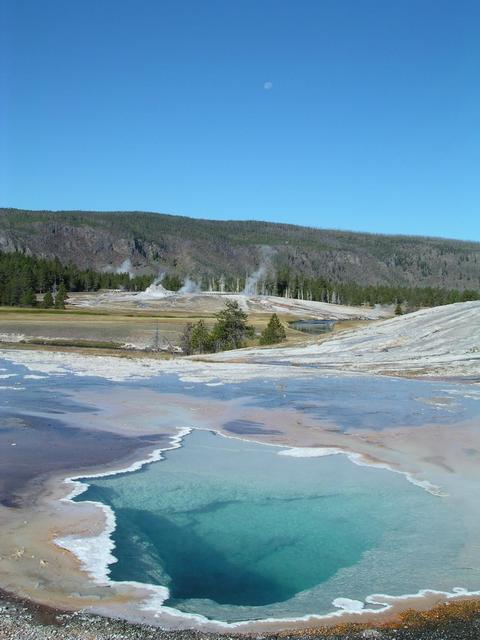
[(26, 621)]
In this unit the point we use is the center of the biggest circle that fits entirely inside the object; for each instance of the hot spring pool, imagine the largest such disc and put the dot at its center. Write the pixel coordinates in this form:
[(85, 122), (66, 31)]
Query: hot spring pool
[(237, 531)]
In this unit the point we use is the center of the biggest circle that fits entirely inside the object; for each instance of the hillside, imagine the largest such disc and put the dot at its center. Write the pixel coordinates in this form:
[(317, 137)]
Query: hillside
[(157, 242)]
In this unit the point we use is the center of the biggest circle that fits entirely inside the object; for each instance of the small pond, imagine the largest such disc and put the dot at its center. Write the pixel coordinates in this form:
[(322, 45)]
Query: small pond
[(313, 326)]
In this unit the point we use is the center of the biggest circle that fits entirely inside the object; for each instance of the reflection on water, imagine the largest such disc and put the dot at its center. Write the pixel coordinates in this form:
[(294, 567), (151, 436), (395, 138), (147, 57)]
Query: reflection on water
[(350, 401), (36, 438), (42, 439), (313, 326)]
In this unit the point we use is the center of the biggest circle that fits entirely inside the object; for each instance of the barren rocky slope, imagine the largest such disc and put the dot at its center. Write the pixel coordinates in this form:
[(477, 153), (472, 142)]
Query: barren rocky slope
[(443, 341)]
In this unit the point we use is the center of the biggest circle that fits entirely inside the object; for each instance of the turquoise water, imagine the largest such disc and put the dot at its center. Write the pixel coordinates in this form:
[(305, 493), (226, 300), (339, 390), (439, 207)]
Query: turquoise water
[(237, 531)]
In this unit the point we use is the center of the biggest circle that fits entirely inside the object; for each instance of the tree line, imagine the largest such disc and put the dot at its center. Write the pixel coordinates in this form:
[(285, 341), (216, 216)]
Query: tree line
[(22, 277), (286, 284)]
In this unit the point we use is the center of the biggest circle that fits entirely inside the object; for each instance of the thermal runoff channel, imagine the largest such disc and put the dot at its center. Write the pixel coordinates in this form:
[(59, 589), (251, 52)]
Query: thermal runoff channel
[(238, 530)]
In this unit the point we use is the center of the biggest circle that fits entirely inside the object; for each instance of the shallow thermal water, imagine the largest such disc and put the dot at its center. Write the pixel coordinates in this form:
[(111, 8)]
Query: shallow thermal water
[(350, 401), (233, 529), (237, 531)]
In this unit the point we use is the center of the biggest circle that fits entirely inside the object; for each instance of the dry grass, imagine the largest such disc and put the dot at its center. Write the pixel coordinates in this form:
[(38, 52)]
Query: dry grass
[(104, 331), (75, 327)]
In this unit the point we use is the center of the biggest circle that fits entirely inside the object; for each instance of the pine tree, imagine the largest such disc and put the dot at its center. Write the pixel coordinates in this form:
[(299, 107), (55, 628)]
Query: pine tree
[(231, 328), (274, 332), (398, 309), (60, 297), (186, 339), (48, 301), (28, 298), (201, 339)]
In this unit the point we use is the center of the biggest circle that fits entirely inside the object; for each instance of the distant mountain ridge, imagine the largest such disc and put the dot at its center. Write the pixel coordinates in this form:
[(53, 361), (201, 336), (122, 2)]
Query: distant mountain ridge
[(154, 242)]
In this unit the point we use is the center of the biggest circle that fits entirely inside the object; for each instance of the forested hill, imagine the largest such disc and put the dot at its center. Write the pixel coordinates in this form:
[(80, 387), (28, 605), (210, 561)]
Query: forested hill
[(187, 246)]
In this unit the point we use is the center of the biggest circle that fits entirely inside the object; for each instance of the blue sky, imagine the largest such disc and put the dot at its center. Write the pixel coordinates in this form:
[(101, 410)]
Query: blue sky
[(352, 114)]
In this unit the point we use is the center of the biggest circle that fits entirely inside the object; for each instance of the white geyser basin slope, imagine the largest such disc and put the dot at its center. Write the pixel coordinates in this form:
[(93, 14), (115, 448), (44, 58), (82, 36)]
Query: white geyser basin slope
[(188, 300), (438, 341)]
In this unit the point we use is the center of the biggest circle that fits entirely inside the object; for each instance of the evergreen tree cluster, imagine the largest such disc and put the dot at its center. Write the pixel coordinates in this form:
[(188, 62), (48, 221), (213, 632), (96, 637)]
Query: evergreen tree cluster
[(22, 277), (229, 332), (172, 282), (285, 283)]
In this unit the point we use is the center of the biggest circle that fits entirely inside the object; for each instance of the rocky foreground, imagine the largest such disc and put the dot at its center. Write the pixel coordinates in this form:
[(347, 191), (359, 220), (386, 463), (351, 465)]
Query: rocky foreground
[(21, 620)]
